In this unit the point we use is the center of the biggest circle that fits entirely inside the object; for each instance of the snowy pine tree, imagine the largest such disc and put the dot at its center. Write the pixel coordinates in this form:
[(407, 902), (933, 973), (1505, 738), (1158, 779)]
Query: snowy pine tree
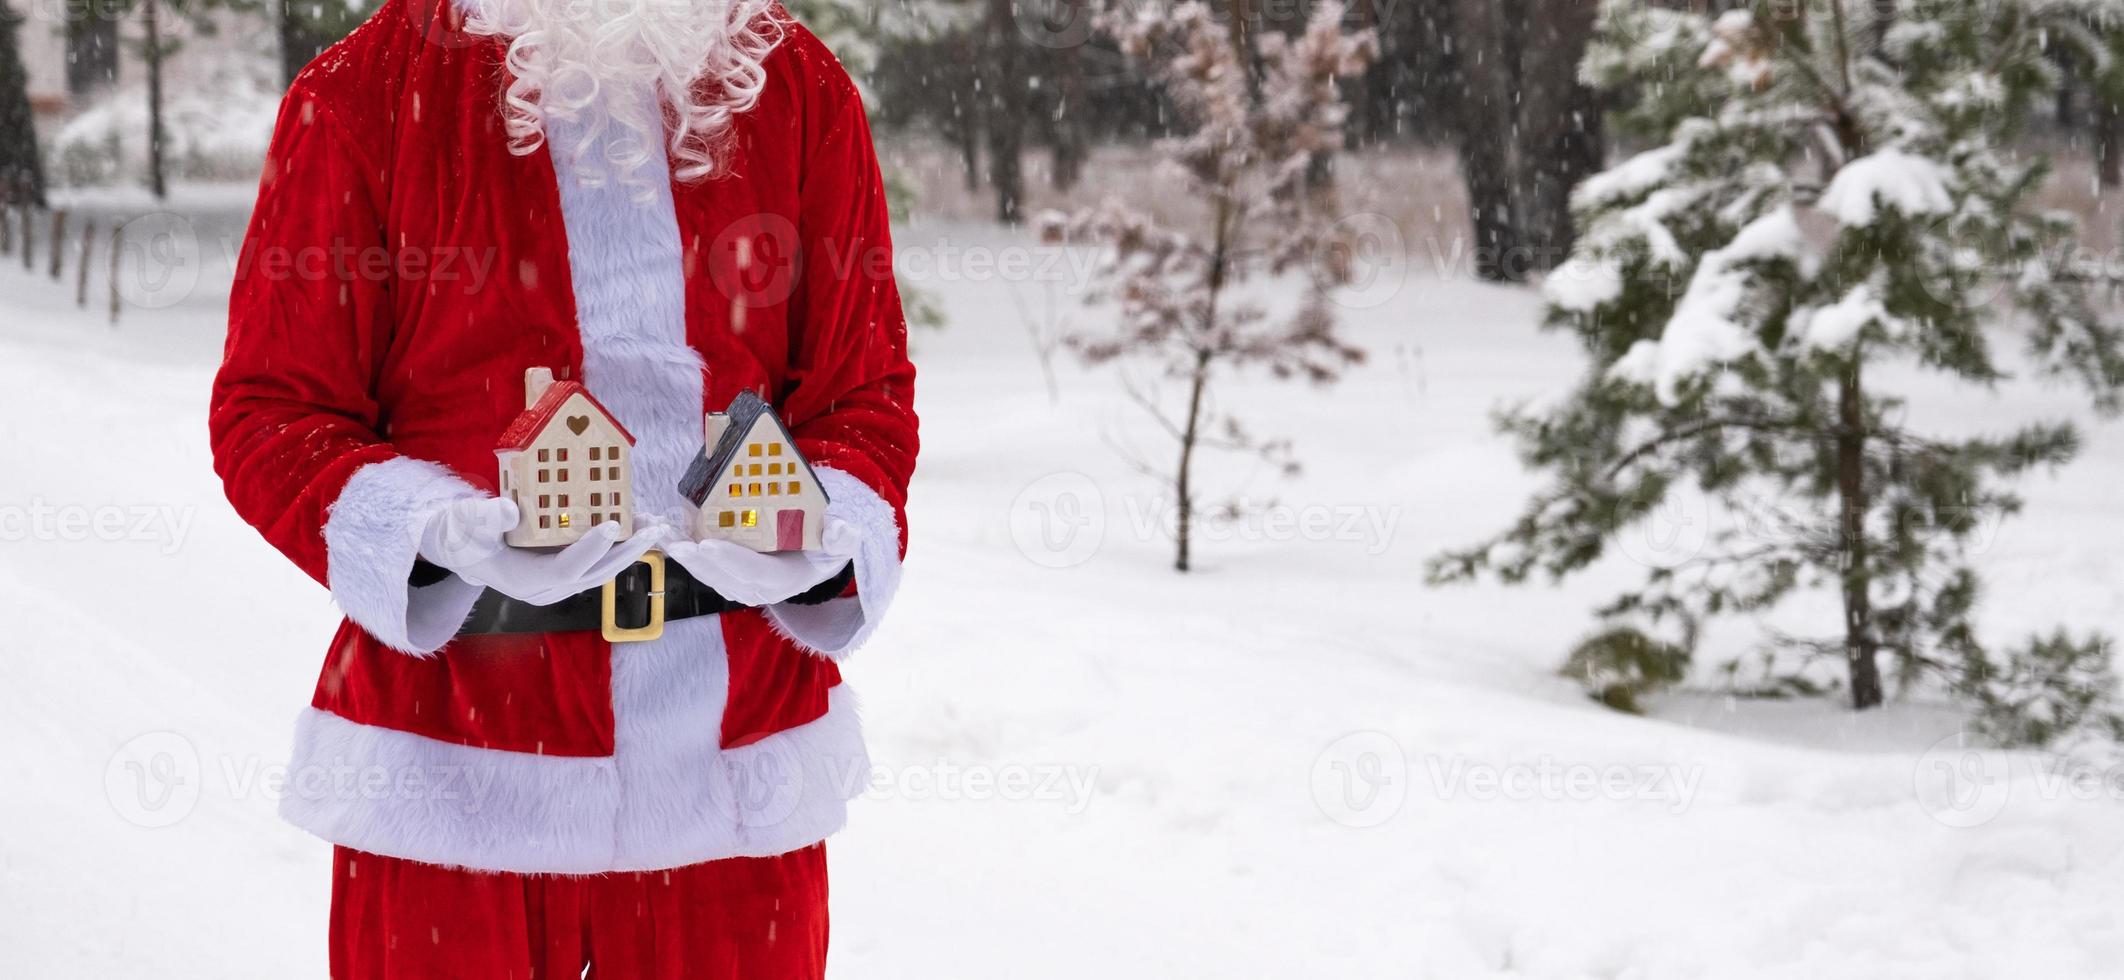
[(1834, 194), (1258, 122)]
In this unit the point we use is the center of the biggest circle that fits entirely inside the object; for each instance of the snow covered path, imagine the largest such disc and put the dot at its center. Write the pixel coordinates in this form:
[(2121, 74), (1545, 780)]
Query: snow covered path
[(1299, 762)]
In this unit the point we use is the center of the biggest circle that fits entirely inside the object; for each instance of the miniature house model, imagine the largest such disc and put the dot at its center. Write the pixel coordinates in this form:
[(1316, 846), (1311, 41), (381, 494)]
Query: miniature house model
[(751, 485), (565, 463)]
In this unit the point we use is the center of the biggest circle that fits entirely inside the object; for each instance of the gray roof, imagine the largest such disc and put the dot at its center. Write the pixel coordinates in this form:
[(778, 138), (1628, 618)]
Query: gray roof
[(708, 465)]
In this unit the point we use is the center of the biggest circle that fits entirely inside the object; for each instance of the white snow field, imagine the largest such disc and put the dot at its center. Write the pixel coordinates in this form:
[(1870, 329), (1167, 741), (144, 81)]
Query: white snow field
[(1299, 761)]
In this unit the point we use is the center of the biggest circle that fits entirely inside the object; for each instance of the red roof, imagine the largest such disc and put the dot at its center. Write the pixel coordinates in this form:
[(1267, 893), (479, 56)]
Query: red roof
[(527, 426)]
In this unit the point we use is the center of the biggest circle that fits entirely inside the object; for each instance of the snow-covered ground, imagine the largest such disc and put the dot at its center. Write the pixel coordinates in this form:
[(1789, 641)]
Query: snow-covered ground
[(1297, 762)]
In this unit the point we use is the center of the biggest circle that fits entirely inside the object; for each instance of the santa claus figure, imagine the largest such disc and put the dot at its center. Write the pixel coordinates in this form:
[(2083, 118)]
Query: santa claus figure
[(667, 202)]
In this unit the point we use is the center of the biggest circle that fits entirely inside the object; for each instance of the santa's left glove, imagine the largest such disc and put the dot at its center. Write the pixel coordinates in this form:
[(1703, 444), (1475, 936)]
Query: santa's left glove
[(743, 575), (465, 537)]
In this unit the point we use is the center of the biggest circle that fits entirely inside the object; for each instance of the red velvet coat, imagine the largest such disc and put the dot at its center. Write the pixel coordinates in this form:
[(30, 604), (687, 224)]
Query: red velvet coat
[(401, 271)]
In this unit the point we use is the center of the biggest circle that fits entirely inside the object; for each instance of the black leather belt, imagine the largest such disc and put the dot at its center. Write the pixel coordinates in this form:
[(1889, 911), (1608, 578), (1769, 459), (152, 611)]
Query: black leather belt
[(634, 606)]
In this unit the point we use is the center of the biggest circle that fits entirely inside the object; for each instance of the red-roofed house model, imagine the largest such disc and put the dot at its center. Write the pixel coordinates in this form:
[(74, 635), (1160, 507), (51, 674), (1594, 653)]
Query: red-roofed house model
[(565, 463)]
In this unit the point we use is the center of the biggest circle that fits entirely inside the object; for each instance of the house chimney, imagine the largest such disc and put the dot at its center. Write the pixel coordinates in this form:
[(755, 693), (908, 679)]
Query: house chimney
[(712, 430), (536, 381)]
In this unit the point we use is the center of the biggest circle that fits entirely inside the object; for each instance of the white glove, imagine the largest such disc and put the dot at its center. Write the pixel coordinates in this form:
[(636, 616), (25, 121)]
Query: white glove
[(466, 538), (741, 574)]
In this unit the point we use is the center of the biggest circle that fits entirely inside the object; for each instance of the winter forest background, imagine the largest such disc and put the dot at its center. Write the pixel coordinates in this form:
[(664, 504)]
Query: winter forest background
[(1446, 488)]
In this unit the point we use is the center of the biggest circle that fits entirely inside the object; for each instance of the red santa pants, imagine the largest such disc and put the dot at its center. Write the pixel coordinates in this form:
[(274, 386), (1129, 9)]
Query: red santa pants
[(749, 918)]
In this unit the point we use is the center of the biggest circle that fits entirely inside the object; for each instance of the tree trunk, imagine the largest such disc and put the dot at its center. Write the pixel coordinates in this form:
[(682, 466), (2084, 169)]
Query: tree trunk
[(2109, 142), (1561, 136), (1485, 122), (21, 169), (969, 141), (91, 47), (1224, 231), (1859, 643), (1183, 481), (1004, 118), (158, 181), (1070, 145)]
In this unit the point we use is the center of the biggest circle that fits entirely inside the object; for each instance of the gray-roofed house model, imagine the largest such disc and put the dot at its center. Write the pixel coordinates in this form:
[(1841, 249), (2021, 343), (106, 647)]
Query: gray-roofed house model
[(751, 484)]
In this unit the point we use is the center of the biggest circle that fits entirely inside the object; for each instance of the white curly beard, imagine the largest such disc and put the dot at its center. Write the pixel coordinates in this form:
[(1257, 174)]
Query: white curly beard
[(593, 64)]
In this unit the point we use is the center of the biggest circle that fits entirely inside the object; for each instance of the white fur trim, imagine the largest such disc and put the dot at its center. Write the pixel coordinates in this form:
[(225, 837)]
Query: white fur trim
[(372, 535), (408, 796), (835, 628)]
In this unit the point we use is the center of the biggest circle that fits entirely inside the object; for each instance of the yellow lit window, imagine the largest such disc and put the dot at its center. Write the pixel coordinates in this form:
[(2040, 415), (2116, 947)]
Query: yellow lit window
[(727, 518), (752, 518), (753, 450), (737, 489), (774, 489), (752, 490), (775, 449), (795, 488), (755, 469), (564, 520)]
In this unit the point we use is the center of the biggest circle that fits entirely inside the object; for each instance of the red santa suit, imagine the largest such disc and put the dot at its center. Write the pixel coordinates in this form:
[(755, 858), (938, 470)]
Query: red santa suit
[(401, 271)]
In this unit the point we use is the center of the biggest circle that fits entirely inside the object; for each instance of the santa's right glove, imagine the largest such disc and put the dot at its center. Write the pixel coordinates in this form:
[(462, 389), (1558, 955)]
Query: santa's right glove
[(465, 537)]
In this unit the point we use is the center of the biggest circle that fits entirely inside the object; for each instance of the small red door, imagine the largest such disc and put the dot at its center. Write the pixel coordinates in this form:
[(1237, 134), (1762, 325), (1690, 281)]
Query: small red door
[(789, 530)]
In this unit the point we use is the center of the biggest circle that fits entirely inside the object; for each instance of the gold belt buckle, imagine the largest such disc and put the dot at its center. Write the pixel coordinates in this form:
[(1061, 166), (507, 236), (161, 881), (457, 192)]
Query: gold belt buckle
[(614, 633)]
